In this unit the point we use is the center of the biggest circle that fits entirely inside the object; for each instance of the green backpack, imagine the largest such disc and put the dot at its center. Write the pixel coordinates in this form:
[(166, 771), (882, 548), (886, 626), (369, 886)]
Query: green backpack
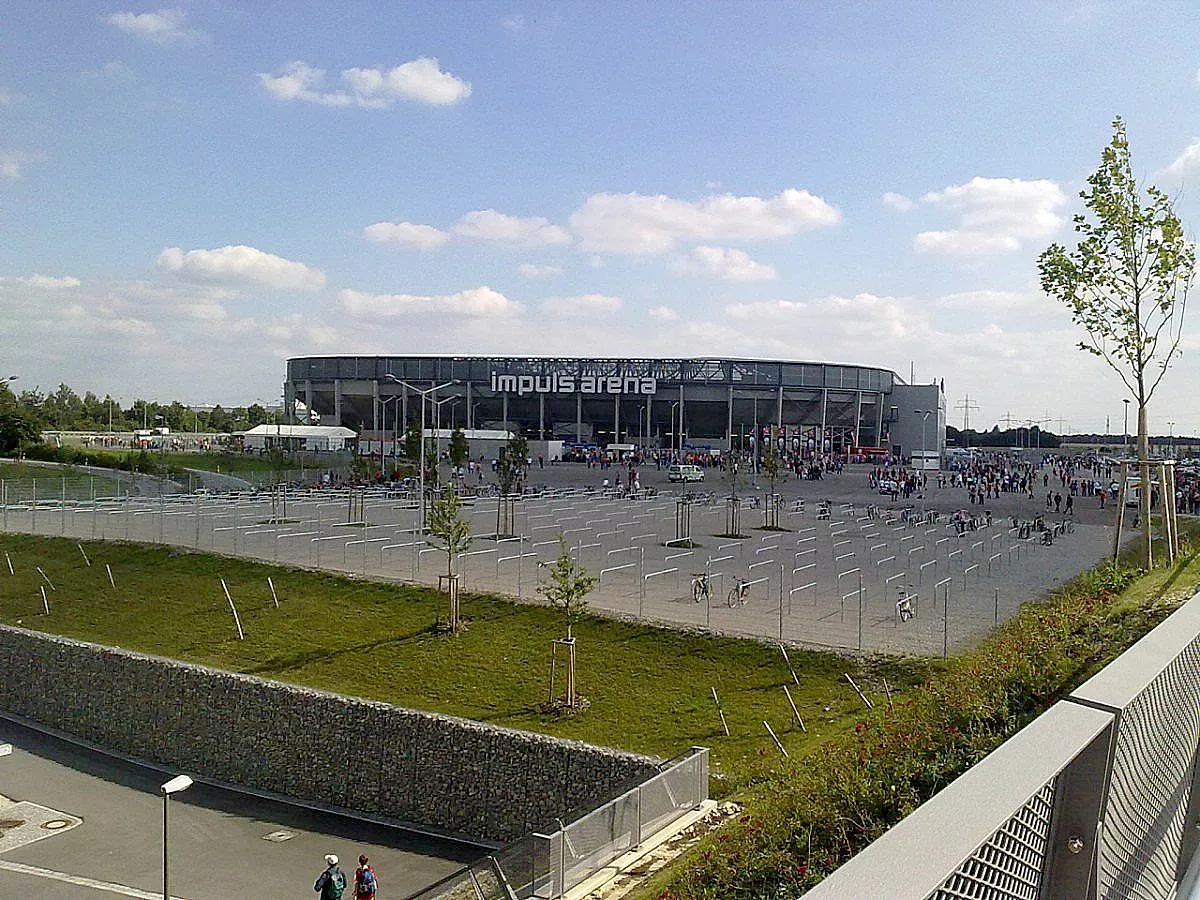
[(335, 886)]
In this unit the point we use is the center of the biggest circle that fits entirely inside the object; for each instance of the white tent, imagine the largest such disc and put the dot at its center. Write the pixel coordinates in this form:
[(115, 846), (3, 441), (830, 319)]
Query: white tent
[(299, 437)]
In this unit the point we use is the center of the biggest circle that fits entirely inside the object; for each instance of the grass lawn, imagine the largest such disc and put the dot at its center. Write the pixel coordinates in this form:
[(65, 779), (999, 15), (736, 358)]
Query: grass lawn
[(649, 688), (19, 483)]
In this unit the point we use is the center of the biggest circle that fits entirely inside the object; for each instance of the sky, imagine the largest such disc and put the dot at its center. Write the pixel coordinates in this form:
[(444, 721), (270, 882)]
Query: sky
[(192, 193)]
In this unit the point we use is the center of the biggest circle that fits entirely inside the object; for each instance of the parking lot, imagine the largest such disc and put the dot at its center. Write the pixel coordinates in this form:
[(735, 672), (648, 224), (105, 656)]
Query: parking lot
[(830, 579)]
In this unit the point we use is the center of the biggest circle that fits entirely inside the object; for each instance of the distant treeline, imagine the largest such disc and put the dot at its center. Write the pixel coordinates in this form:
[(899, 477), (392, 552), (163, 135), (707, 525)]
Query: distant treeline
[(1036, 437), (64, 410)]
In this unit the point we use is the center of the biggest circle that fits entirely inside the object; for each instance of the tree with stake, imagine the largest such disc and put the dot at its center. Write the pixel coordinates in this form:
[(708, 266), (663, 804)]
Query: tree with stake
[(451, 534), (511, 476), (733, 503), (459, 448), (1126, 284), (567, 590), (772, 469)]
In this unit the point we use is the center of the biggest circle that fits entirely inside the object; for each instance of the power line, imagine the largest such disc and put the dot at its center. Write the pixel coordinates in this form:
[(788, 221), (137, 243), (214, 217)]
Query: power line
[(966, 406)]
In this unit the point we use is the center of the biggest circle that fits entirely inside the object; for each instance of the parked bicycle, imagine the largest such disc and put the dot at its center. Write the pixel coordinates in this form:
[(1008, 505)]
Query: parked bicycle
[(738, 593), (701, 588)]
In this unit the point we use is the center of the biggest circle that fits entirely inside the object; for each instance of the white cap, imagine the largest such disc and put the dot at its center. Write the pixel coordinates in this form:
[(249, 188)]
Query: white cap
[(331, 859)]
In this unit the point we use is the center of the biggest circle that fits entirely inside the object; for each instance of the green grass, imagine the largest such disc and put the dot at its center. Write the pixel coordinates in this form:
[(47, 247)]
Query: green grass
[(649, 688), (19, 483)]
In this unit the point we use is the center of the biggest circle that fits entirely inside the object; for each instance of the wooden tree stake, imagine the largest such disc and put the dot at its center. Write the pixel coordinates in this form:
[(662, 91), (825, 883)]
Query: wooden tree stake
[(861, 695), (775, 739), (795, 712)]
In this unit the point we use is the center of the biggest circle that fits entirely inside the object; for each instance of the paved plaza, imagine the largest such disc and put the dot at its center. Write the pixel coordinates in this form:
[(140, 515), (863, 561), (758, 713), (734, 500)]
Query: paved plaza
[(92, 828), (830, 580)]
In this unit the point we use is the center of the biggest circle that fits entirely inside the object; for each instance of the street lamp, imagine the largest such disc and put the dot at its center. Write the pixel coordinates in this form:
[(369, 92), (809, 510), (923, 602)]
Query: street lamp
[(675, 430), (1171, 440), (383, 431), (1125, 430), (423, 394), (437, 427), (174, 786), (924, 414)]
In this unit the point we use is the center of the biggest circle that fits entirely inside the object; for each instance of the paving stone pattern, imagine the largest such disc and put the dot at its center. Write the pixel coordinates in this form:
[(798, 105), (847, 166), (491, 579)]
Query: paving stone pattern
[(439, 772)]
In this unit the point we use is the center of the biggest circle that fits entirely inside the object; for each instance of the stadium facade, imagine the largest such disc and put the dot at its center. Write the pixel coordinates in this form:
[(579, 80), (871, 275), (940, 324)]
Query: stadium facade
[(699, 403)]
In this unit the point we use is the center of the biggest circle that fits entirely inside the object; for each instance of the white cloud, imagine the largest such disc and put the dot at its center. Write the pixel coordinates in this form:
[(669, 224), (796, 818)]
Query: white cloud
[(420, 80), (10, 165), (530, 270), (490, 225), (663, 313), (965, 243), (240, 265), (581, 305), (638, 223), (7, 97), (48, 282), (162, 27), (995, 215), (1185, 164), (723, 264), (407, 234), (480, 301), (897, 201), (515, 24), (113, 70)]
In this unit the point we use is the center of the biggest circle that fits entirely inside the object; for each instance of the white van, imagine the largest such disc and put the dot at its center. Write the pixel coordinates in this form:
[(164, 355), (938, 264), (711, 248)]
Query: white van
[(685, 473)]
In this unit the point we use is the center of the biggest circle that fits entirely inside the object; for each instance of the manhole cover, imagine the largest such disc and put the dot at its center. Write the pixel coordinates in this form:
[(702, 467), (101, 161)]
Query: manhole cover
[(278, 837), (11, 823), (57, 824)]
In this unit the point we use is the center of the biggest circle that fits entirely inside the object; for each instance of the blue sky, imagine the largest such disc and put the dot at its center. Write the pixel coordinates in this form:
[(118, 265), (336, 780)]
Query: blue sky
[(191, 193)]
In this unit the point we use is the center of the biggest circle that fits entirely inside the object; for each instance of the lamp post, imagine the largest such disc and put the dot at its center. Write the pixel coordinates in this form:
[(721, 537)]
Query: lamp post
[(1171, 440), (383, 431), (675, 431), (924, 414), (437, 427), (423, 394), (174, 786), (1125, 430)]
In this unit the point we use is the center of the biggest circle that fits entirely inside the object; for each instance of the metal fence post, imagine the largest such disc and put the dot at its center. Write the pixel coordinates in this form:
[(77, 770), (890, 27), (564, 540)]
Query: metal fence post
[(1069, 869), (637, 835)]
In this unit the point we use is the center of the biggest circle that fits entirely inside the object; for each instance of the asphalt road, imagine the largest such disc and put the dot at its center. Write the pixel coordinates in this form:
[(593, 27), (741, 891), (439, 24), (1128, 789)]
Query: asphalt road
[(219, 845)]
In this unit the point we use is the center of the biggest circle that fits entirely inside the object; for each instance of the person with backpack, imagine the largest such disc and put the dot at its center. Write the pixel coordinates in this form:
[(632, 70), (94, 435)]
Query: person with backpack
[(365, 882), (331, 883)]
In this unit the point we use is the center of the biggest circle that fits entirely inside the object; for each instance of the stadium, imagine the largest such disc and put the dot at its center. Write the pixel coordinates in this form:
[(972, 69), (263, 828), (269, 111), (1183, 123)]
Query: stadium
[(692, 403)]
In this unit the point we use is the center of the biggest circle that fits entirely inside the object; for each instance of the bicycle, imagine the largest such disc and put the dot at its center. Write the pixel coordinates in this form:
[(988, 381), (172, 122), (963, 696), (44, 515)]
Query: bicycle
[(701, 588), (738, 593)]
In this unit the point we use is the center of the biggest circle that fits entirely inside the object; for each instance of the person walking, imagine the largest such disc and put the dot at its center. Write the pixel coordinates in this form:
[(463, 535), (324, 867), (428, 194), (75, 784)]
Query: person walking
[(331, 883), (365, 880)]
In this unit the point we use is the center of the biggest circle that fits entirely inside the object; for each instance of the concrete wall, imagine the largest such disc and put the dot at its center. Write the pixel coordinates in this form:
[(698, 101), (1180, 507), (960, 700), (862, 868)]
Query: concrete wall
[(439, 772)]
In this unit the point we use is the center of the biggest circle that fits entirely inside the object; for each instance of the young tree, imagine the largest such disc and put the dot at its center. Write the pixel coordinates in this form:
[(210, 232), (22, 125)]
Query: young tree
[(511, 477), (772, 469), (1126, 284), (459, 448), (567, 590), (451, 534)]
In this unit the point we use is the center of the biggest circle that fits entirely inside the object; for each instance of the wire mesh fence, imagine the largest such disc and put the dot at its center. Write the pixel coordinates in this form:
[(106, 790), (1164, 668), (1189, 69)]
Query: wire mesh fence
[(546, 866)]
